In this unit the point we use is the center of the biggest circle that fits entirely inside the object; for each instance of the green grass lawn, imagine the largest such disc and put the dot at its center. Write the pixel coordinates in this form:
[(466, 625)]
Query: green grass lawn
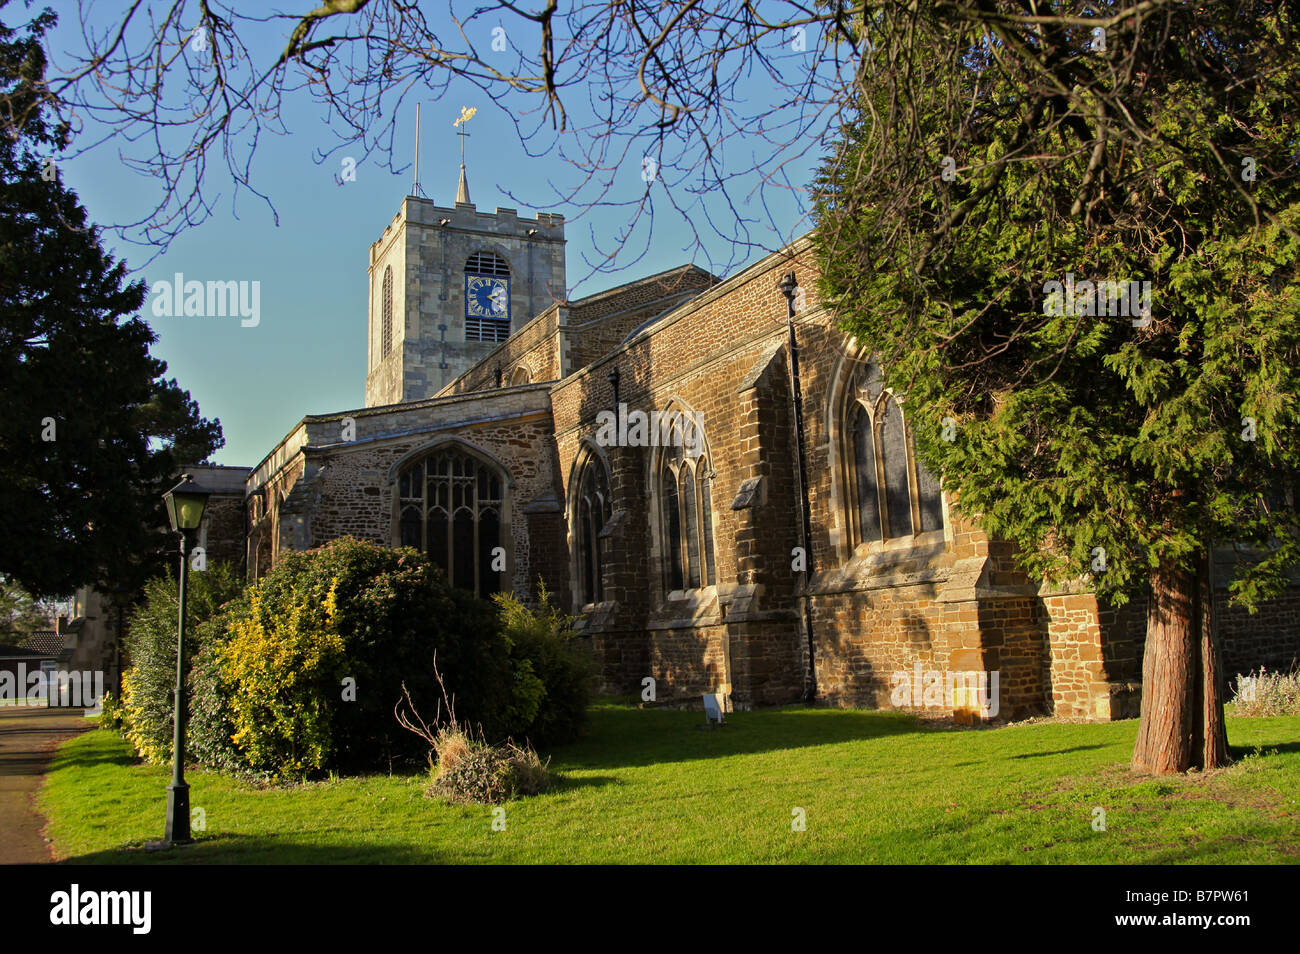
[(649, 786)]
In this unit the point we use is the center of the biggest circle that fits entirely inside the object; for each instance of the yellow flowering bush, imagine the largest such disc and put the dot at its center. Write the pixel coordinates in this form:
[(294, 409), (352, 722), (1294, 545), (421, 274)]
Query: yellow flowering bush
[(141, 730), (281, 662)]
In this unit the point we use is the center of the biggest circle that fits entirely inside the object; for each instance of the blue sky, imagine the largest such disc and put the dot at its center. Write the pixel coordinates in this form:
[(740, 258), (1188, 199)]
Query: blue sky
[(307, 355)]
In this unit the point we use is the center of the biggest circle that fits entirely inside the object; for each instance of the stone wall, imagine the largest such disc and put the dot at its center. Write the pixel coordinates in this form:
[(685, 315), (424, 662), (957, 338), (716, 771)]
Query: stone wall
[(535, 350), (740, 631), (947, 601), (599, 324), (1097, 647), (226, 529), (1269, 638)]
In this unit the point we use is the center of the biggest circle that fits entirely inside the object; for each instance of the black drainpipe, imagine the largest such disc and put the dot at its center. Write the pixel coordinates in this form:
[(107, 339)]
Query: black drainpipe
[(789, 287)]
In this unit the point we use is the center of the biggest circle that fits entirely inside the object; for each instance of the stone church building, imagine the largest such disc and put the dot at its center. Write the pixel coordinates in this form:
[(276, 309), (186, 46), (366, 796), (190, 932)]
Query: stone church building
[(700, 566)]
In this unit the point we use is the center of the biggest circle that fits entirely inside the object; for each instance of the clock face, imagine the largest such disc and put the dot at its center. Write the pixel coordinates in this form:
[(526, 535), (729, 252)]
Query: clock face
[(487, 297)]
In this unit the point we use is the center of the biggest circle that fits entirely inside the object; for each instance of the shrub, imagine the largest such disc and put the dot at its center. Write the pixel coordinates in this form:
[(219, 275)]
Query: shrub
[(1268, 694), (552, 671), (466, 769), (281, 659), (357, 611), (112, 715), (471, 771), (150, 649), (210, 735), (299, 675)]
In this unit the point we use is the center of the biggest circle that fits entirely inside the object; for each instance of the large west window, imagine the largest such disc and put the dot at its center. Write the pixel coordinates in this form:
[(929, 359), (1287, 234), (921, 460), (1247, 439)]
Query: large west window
[(450, 505), (890, 493)]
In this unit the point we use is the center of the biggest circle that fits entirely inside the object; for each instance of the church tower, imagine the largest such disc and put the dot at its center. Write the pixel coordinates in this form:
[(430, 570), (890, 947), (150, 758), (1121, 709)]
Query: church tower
[(448, 285)]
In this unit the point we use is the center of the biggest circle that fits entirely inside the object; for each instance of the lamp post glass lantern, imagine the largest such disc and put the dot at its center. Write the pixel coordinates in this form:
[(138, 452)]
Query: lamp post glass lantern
[(185, 505), (789, 288)]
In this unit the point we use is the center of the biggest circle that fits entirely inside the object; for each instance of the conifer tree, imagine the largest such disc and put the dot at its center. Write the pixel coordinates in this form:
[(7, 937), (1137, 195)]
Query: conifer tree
[(1003, 156), (90, 434)]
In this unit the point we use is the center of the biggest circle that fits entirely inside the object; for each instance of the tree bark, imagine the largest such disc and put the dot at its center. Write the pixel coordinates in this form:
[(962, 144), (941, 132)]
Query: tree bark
[(1214, 734), (1182, 694)]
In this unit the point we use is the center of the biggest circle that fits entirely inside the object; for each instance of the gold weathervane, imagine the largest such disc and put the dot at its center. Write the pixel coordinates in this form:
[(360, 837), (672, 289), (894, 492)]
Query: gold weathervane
[(466, 114)]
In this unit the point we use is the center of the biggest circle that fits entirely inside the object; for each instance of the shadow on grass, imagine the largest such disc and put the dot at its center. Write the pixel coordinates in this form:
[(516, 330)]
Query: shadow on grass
[(567, 783), (620, 737), (1039, 755), (81, 760), (1239, 752), (560, 782), (261, 850), (1196, 850)]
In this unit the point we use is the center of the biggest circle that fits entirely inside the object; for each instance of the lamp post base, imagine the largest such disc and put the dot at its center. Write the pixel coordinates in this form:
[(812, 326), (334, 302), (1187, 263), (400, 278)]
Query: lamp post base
[(178, 815)]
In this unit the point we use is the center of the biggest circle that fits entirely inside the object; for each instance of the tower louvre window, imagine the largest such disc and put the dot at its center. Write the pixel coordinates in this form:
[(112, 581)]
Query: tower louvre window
[(487, 263), (486, 329)]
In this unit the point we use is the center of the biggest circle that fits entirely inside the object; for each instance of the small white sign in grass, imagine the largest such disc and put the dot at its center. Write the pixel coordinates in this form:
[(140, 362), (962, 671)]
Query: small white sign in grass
[(715, 704)]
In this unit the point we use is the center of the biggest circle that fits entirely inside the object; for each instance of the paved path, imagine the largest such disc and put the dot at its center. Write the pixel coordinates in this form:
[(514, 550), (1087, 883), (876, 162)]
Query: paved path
[(27, 740)]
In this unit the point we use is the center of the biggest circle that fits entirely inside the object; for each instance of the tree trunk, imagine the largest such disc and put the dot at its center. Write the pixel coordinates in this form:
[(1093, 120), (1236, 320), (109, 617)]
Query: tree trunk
[(1182, 695), (1214, 736)]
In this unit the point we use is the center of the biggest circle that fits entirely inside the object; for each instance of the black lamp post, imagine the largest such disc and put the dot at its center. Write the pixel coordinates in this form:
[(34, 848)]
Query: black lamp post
[(185, 503), (613, 378), (789, 287)]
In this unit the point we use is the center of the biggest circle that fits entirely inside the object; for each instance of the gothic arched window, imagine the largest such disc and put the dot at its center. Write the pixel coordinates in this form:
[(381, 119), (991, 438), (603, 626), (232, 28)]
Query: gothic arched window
[(450, 506), (387, 308), (487, 297), (592, 512), (686, 520), (890, 493)]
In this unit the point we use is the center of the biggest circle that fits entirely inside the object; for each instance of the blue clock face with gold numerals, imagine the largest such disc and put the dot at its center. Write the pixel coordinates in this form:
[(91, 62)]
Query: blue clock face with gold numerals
[(487, 297)]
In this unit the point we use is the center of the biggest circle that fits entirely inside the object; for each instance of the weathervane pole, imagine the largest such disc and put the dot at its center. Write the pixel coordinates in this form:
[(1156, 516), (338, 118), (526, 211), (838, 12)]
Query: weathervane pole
[(415, 187)]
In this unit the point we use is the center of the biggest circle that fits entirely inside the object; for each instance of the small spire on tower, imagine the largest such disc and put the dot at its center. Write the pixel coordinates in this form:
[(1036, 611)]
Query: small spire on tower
[(462, 190)]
